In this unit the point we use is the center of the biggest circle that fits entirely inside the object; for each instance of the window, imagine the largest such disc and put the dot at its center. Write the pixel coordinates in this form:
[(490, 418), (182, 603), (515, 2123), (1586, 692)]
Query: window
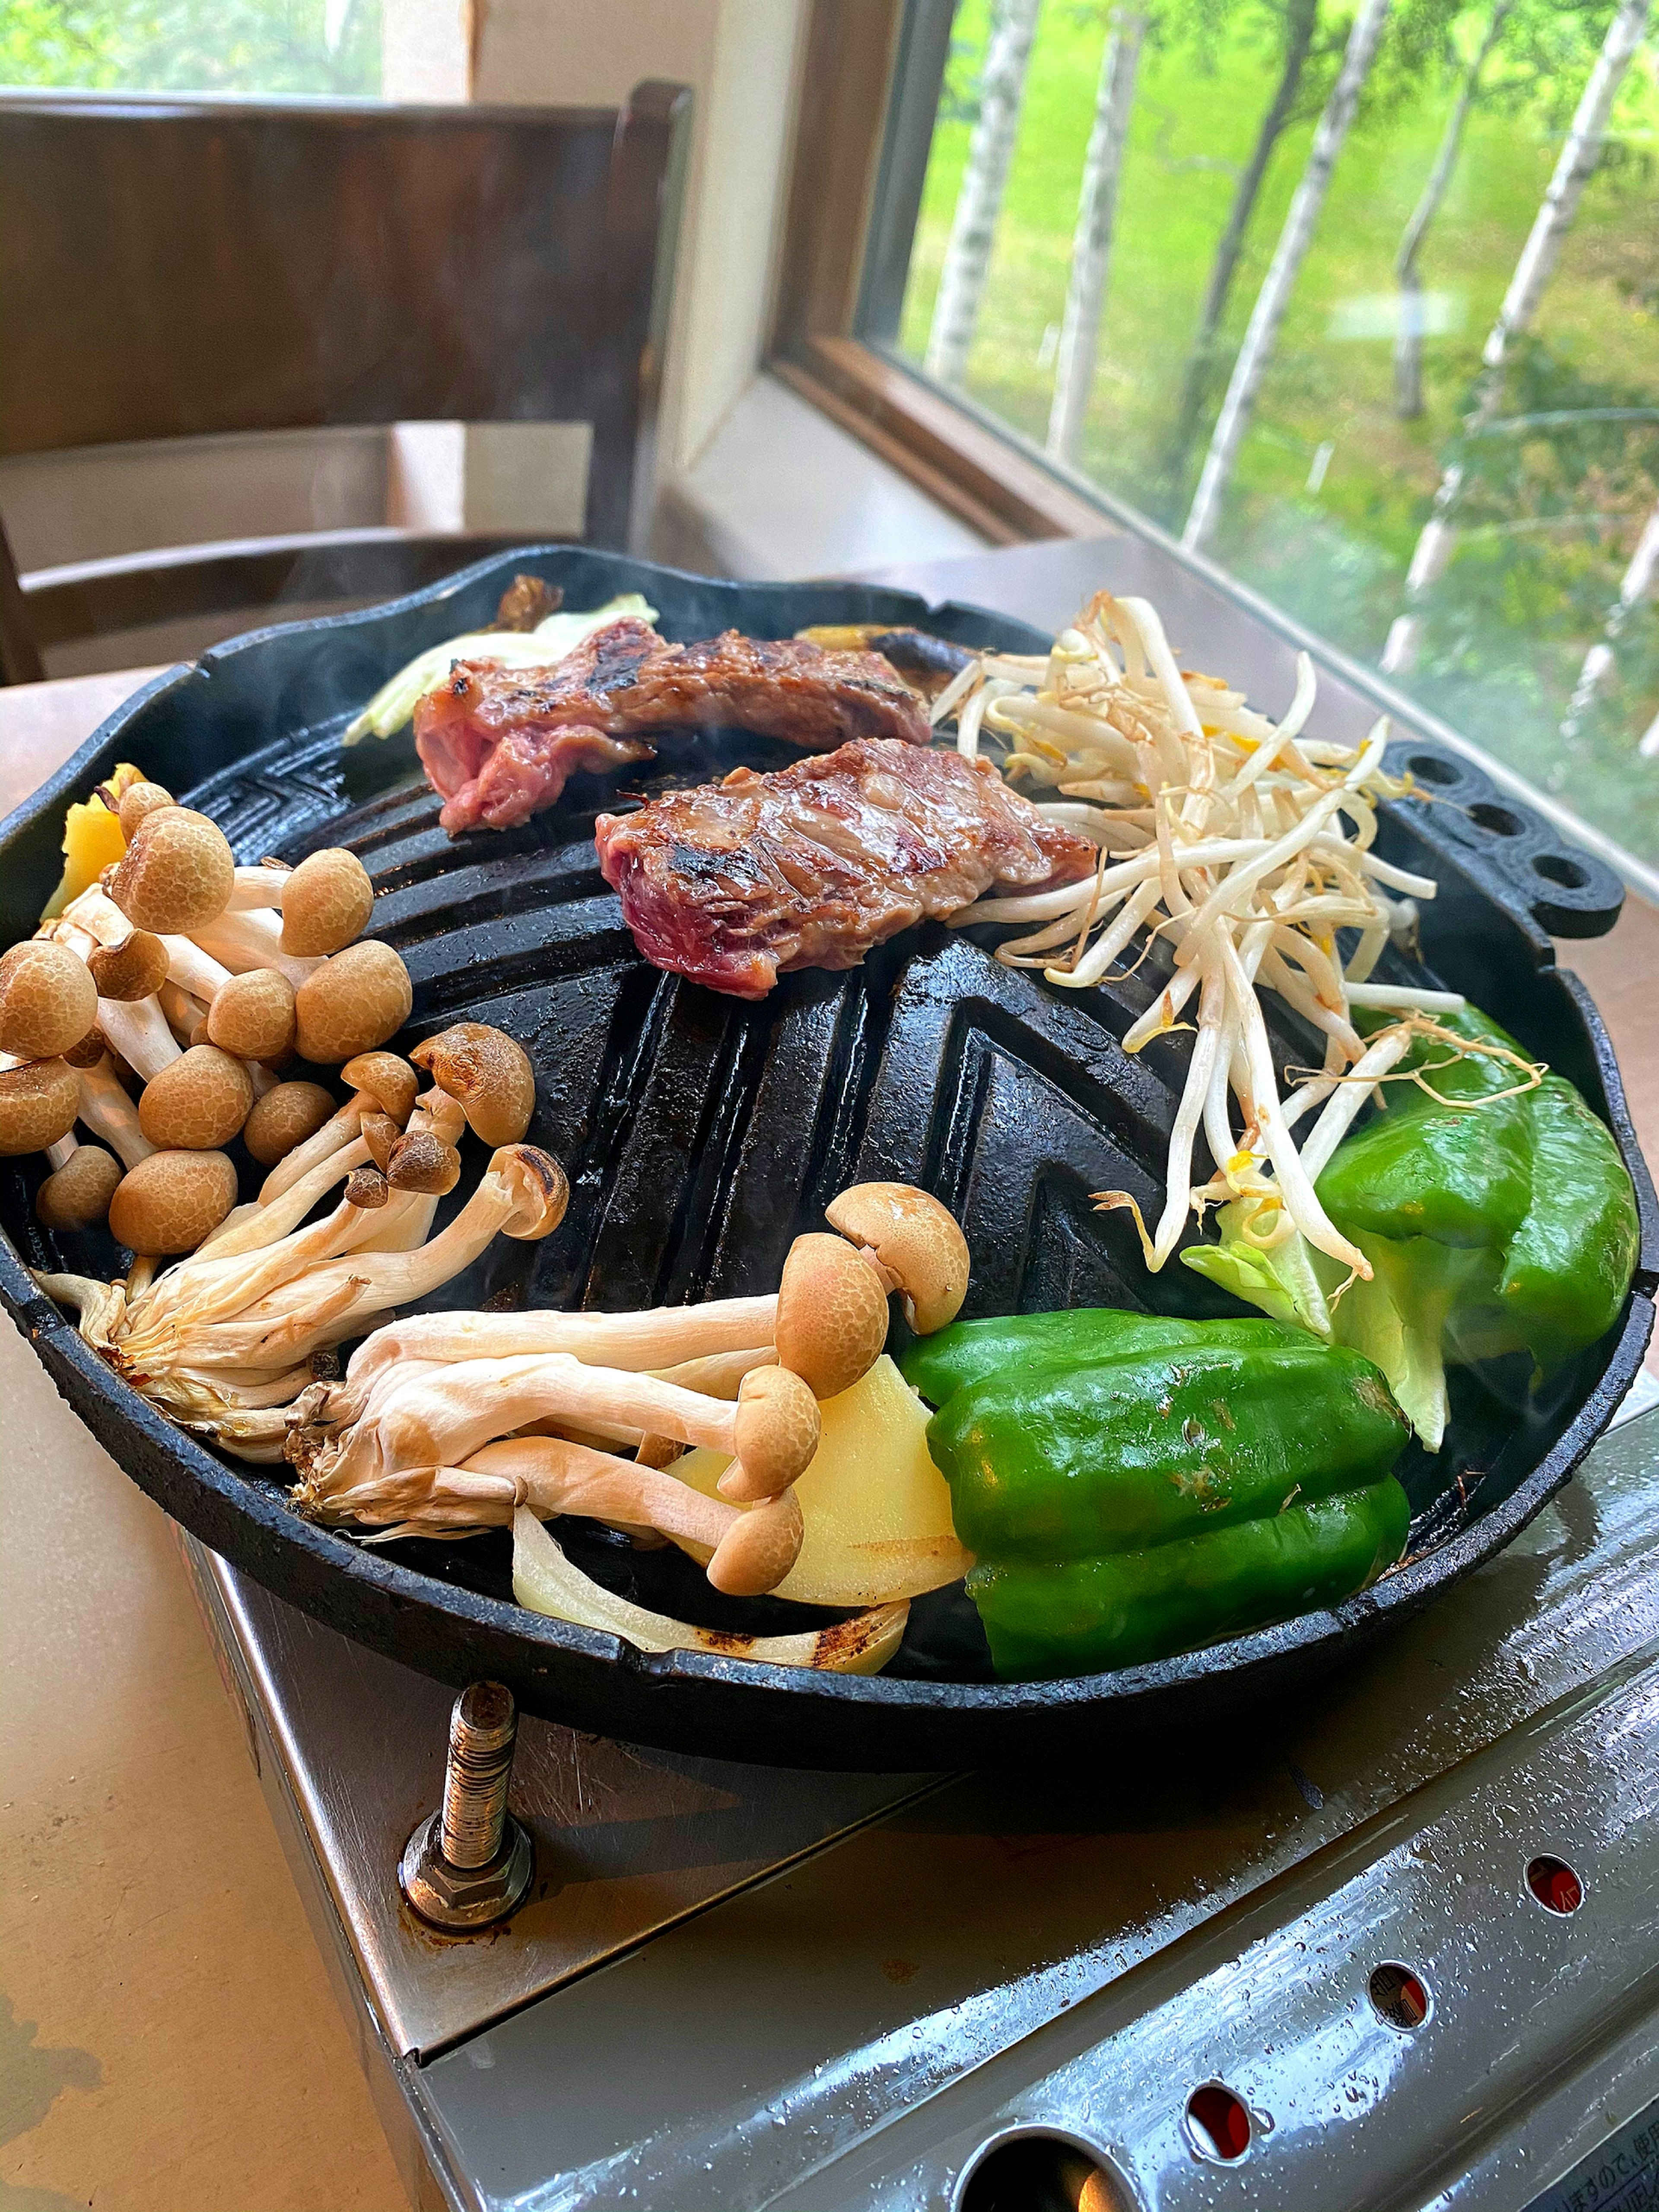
[(331, 46), (1357, 299)]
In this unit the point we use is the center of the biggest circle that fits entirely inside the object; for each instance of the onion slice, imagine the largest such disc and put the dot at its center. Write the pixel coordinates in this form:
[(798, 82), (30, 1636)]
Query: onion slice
[(544, 1581)]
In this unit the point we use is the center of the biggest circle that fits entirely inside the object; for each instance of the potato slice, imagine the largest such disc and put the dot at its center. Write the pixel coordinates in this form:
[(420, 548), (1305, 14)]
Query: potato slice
[(877, 1509)]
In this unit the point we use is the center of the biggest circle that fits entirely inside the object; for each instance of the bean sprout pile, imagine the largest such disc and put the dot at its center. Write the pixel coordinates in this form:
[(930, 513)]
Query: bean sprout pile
[(1248, 847)]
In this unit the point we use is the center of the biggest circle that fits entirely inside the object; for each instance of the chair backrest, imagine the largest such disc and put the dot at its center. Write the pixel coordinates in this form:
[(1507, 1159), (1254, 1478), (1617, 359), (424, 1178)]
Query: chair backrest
[(175, 268)]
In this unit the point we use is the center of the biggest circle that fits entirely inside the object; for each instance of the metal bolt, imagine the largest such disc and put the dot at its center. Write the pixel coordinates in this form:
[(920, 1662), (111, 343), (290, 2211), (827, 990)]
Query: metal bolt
[(470, 1863)]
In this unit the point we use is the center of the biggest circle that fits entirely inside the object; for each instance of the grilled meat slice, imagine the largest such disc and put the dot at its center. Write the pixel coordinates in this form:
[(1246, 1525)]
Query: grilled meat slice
[(734, 883), (927, 663), (526, 601), (500, 743)]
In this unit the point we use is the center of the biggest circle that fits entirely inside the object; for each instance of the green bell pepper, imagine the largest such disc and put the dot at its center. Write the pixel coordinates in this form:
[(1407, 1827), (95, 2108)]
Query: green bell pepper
[(1123, 1608), (1496, 1227), (969, 1351), (1132, 1486)]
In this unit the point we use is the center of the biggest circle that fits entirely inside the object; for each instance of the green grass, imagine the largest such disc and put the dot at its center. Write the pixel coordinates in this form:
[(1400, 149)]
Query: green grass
[(1518, 608)]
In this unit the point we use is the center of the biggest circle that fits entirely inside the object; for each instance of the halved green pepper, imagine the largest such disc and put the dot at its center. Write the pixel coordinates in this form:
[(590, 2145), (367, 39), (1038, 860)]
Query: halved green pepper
[(1133, 1485), (1123, 1608)]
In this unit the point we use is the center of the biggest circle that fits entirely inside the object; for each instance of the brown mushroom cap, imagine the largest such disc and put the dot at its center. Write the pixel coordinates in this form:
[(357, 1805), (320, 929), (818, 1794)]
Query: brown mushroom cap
[(252, 1015), (421, 1162), (39, 1103), (197, 1103), (327, 902), (353, 1002), (488, 1072), (139, 800), (79, 1193), (47, 1000), (537, 1184), (170, 1201), (777, 1431), (134, 970), (88, 1053), (759, 1548), (390, 1082), (922, 1252), (283, 1118), (379, 1133), (367, 1187), (177, 873), (832, 1315)]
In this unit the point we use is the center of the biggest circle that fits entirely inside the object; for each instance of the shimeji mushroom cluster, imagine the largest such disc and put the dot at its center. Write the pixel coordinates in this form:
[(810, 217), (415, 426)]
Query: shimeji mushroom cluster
[(198, 981), (445, 1423), (449, 1423), (1245, 845)]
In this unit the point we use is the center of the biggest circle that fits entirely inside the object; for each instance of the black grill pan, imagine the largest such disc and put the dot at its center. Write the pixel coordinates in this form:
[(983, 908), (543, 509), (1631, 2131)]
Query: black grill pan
[(701, 1134)]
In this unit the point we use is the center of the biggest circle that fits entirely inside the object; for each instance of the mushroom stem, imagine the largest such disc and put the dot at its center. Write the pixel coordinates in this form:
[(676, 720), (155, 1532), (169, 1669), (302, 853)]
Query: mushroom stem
[(720, 1374), (194, 970), (546, 1473), (447, 1412), (523, 1193), (340, 1130), (660, 1337), (97, 914), (60, 1154), (107, 1111), (256, 888), (251, 1228), (442, 1118), (226, 1284), (181, 1009), (137, 1029), (565, 1478), (254, 940)]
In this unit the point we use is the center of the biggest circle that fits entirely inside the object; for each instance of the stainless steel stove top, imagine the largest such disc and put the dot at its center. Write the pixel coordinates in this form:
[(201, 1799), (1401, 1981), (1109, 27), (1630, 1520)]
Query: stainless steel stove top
[(1322, 1940)]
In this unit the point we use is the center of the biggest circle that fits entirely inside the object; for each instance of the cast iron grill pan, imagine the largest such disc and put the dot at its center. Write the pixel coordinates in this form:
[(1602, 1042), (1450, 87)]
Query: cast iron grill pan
[(701, 1134)]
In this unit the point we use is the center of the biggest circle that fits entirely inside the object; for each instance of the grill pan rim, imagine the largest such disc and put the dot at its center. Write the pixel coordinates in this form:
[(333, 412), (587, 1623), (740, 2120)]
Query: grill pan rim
[(733, 1707)]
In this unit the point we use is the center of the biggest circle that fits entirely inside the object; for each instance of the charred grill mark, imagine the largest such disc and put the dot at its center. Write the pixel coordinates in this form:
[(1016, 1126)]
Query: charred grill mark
[(617, 662), (697, 860)]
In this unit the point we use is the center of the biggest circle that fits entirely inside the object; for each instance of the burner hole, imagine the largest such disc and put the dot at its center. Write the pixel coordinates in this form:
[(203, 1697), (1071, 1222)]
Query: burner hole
[(1566, 873), (1497, 819), (1400, 1997), (1554, 1884), (1429, 768), (1217, 2122), (1037, 2173)]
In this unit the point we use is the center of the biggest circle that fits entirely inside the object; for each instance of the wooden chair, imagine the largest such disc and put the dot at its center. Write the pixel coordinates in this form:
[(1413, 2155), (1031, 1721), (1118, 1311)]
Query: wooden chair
[(177, 268)]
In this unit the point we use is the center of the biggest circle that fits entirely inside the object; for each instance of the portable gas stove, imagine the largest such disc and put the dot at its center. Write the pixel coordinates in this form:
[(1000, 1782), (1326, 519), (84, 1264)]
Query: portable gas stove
[(1397, 1947)]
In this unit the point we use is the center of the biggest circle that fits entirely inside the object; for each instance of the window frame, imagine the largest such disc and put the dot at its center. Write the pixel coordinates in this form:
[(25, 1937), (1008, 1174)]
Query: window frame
[(871, 75)]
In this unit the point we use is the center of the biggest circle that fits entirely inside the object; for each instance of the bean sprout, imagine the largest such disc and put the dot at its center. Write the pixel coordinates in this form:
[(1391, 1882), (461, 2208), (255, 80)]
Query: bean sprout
[(1246, 844)]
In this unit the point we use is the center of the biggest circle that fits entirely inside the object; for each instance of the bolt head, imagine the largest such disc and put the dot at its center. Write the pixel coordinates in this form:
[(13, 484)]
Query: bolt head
[(464, 1897)]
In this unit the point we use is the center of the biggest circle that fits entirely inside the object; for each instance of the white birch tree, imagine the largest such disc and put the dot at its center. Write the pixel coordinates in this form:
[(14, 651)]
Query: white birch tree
[(1580, 152), (1294, 240), (1408, 339), (979, 200), (1091, 244), (1637, 582), (1299, 24)]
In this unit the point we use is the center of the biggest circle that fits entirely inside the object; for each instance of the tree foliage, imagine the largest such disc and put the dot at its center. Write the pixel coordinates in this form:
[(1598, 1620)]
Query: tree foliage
[(193, 46)]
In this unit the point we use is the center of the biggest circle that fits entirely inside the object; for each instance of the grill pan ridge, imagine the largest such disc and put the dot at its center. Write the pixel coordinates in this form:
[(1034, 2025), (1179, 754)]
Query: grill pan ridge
[(701, 1133)]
